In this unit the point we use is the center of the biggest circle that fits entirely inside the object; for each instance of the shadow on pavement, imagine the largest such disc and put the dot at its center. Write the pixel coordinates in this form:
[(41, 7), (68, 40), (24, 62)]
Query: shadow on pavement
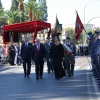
[(13, 86)]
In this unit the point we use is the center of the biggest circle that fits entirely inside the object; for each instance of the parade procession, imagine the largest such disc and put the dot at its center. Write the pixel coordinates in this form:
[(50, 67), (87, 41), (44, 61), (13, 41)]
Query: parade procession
[(45, 60)]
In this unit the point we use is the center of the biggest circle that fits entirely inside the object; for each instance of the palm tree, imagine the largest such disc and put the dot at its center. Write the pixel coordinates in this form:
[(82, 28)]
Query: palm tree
[(31, 8), (12, 16), (20, 6), (2, 18)]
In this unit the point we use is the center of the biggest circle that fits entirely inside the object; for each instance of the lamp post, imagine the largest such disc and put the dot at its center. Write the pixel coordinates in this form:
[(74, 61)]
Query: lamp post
[(85, 8), (84, 38)]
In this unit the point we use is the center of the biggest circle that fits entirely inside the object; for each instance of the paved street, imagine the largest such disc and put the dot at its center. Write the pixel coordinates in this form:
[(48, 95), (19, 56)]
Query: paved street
[(82, 86)]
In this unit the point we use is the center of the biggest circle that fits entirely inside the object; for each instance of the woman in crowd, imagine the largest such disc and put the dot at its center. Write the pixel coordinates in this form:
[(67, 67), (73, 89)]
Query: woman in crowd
[(11, 54), (57, 54)]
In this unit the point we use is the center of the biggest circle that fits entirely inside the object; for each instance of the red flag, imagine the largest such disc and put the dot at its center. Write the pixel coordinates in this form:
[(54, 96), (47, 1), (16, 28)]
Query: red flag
[(78, 27)]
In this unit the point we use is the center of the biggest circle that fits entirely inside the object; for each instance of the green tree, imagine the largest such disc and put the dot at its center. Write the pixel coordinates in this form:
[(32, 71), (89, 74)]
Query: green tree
[(14, 5), (1, 5), (2, 18), (72, 36), (21, 10), (31, 8), (43, 10), (82, 38), (12, 16), (36, 10)]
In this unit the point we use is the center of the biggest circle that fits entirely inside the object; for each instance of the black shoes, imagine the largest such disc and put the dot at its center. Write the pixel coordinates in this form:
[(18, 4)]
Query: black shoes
[(41, 77), (26, 76), (37, 78), (69, 75)]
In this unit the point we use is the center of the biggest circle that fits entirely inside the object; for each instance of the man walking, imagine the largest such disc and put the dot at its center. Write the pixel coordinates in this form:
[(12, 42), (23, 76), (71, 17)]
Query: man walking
[(70, 52), (26, 52), (38, 55)]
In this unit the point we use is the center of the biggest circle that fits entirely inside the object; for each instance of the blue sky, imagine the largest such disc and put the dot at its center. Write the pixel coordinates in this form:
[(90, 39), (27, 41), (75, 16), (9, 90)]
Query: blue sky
[(65, 10)]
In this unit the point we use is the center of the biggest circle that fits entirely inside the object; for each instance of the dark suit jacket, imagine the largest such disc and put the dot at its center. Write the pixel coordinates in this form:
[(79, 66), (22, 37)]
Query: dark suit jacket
[(47, 48), (26, 52), (38, 55)]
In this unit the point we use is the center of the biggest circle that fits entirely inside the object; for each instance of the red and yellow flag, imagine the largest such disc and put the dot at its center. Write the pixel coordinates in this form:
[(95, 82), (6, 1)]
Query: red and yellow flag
[(78, 27)]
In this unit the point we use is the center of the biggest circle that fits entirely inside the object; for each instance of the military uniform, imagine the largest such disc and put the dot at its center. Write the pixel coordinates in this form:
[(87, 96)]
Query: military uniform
[(94, 48), (97, 57), (69, 57), (47, 48)]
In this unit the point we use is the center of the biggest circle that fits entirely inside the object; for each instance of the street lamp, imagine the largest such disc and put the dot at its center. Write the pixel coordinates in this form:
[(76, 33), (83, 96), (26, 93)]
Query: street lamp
[(84, 10), (84, 38)]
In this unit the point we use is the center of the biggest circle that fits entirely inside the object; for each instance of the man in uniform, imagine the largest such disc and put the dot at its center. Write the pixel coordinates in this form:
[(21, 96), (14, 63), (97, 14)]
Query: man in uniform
[(70, 52), (92, 50), (96, 58), (64, 66), (97, 54), (47, 48)]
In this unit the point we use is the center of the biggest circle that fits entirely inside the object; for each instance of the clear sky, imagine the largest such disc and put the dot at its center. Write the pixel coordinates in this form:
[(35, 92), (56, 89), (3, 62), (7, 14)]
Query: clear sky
[(65, 10)]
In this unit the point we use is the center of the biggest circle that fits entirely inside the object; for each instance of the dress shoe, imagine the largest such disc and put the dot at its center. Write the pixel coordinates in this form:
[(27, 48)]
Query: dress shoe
[(24, 75), (72, 74), (27, 76), (69, 75), (37, 78), (48, 71), (41, 77)]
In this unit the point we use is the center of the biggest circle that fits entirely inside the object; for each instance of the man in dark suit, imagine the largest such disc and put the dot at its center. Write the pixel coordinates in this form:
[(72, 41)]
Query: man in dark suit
[(38, 55), (26, 53)]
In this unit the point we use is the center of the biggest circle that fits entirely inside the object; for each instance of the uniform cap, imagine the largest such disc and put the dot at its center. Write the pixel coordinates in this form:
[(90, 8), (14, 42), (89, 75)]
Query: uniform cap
[(68, 38)]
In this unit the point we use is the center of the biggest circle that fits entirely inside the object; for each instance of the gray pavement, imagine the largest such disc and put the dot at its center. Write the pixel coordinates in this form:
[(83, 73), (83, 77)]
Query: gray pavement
[(82, 86)]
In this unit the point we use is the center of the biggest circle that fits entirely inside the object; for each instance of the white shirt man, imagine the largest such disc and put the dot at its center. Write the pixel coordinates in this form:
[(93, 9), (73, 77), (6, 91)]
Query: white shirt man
[(16, 54)]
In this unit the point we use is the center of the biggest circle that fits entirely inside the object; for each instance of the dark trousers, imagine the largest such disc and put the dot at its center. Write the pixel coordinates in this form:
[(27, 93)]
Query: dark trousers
[(69, 62), (12, 57), (27, 66), (48, 65), (39, 68)]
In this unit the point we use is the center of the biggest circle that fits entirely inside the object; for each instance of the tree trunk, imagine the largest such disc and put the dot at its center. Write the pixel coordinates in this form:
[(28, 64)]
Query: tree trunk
[(30, 16), (21, 6), (33, 17)]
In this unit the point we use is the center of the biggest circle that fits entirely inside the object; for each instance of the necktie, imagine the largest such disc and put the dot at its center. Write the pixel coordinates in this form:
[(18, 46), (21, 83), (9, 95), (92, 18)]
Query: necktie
[(38, 47), (26, 44)]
